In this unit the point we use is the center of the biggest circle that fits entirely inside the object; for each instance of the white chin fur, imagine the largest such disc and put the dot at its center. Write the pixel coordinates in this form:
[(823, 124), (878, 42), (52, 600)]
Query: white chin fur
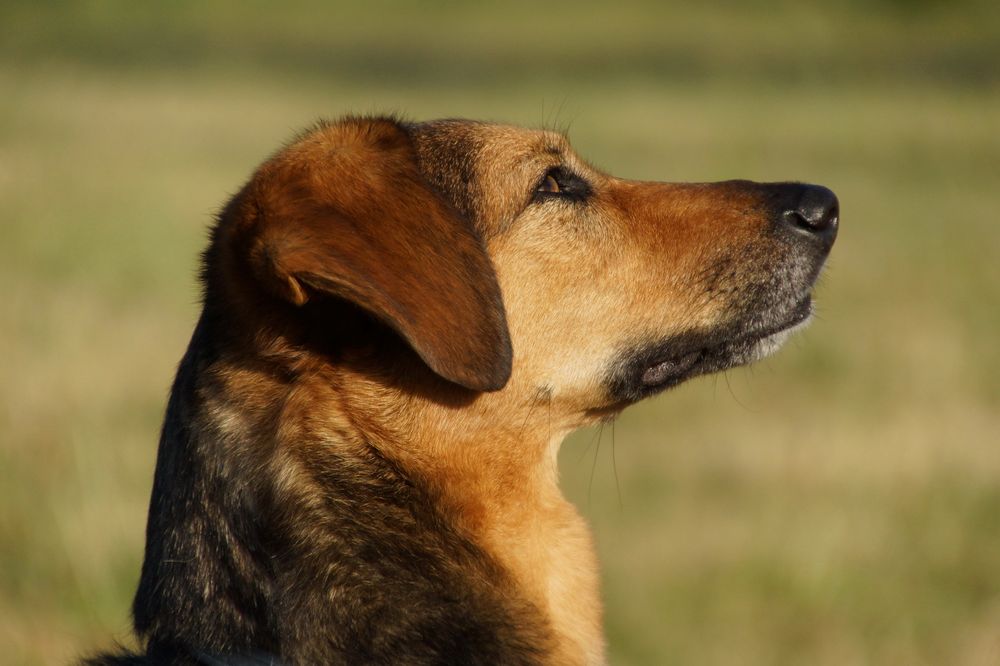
[(772, 343)]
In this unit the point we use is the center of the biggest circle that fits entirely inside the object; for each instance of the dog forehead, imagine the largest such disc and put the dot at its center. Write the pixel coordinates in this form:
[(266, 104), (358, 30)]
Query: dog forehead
[(487, 170), (485, 140), (518, 142)]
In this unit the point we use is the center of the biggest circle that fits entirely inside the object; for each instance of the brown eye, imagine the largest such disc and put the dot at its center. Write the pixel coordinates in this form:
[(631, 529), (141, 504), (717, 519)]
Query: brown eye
[(550, 184), (561, 184)]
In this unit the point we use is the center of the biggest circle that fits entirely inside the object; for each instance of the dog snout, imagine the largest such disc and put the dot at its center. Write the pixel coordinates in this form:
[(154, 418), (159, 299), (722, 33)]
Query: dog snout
[(811, 211)]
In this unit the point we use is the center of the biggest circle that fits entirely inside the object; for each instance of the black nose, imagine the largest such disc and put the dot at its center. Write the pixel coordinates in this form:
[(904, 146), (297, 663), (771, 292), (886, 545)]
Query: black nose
[(817, 212)]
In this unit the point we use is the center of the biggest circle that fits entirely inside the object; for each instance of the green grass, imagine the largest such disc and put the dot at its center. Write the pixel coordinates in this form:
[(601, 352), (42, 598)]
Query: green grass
[(839, 504)]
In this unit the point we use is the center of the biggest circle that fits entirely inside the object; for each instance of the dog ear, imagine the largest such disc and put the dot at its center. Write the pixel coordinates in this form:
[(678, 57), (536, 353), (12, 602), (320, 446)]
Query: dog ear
[(346, 211)]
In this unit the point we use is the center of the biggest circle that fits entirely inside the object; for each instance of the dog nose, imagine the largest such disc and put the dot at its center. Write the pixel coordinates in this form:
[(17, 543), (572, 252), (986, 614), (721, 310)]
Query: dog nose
[(817, 212)]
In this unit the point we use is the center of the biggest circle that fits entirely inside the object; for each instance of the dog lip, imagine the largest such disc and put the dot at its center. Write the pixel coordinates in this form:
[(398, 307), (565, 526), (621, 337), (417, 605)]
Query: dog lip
[(801, 313), (677, 368), (798, 314), (671, 367)]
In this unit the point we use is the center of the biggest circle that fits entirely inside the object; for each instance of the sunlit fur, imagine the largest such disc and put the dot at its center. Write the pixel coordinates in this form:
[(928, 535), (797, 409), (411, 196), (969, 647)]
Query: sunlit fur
[(358, 463)]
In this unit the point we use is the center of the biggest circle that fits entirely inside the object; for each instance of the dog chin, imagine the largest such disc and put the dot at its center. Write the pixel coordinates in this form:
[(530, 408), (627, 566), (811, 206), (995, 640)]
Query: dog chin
[(772, 343), (653, 368)]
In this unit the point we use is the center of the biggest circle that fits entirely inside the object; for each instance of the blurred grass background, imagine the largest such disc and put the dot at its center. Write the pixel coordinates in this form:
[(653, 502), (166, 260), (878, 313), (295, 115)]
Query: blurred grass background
[(839, 504)]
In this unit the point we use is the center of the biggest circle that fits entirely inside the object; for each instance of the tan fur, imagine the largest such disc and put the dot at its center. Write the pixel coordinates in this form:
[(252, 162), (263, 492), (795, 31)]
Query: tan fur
[(568, 298), (517, 311)]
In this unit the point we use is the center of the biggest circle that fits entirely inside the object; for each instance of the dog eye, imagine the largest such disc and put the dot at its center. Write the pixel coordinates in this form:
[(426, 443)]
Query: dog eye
[(550, 185), (561, 183)]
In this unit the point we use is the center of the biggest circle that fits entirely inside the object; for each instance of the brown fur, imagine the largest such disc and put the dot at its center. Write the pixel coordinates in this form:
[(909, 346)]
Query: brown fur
[(399, 331)]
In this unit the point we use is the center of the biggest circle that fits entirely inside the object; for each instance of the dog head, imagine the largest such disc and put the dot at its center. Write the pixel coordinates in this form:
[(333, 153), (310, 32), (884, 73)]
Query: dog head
[(514, 269)]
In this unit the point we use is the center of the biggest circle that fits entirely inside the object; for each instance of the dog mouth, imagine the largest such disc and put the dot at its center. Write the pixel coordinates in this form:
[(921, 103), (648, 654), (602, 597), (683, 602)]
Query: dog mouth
[(667, 364)]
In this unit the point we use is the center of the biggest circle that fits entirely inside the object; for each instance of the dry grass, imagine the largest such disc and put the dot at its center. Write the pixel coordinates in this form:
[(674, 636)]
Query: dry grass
[(839, 504)]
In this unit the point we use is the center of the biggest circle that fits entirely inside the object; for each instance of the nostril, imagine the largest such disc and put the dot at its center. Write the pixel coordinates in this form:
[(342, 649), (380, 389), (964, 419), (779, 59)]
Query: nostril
[(812, 220), (817, 212)]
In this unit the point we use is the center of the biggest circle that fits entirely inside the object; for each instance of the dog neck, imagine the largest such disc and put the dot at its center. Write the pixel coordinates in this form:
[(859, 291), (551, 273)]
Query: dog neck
[(294, 461), (489, 464)]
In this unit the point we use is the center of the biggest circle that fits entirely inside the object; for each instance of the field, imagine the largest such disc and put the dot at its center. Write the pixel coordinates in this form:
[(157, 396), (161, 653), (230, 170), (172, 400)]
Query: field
[(838, 504)]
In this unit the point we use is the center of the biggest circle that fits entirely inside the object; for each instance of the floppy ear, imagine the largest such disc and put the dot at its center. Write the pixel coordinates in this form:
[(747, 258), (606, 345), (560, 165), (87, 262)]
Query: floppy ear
[(346, 211)]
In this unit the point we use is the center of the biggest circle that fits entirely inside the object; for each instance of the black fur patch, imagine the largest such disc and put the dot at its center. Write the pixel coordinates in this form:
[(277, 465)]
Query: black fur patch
[(688, 355), (365, 573)]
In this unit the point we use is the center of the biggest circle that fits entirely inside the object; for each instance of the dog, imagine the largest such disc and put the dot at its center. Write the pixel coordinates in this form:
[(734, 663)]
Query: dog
[(401, 323)]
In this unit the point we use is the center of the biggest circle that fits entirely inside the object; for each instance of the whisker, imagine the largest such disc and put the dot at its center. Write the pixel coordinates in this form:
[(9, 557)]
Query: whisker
[(590, 443), (733, 393), (614, 466), (593, 466), (543, 392)]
